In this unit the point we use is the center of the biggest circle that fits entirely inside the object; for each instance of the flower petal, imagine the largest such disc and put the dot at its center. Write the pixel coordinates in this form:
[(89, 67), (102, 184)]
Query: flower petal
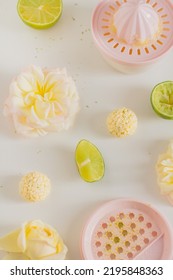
[(9, 242), (25, 82), (39, 249), (22, 238), (38, 74), (59, 256), (15, 256)]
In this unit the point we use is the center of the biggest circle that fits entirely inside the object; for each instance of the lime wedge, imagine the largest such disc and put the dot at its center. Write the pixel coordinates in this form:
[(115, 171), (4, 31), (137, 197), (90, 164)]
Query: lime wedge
[(39, 13), (162, 99), (89, 161)]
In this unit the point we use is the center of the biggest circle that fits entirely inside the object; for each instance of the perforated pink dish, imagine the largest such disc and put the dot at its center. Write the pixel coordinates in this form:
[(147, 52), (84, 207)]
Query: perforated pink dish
[(125, 229), (133, 34)]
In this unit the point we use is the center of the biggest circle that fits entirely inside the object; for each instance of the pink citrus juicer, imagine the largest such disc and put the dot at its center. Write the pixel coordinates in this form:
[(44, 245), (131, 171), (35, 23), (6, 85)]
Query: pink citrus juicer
[(125, 229), (133, 34)]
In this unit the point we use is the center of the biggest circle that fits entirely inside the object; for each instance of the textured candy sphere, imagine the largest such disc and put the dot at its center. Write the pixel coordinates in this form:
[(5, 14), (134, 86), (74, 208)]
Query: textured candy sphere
[(122, 122), (34, 186)]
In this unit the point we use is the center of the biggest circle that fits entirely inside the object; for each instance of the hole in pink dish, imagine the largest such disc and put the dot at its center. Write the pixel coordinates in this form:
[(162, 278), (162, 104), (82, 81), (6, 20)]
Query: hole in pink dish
[(130, 255), (141, 218), (118, 4), (98, 244), (107, 13), (146, 241), (163, 16), (166, 22), (131, 215), (100, 254), (99, 234), (116, 239), (130, 51), (104, 225), (141, 231), (154, 233), (109, 234), (159, 42), (138, 248), (134, 237), (163, 36), (105, 26), (146, 50), (120, 250), (124, 232), (110, 40), (166, 29), (121, 215), (138, 51), (149, 225), (112, 8), (112, 256), (120, 225), (108, 247), (154, 47), (112, 219), (133, 225), (127, 244), (116, 45), (107, 33), (154, 5)]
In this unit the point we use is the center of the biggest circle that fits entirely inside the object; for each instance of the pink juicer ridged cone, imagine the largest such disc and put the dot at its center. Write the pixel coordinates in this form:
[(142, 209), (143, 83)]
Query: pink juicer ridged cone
[(132, 35), (136, 22)]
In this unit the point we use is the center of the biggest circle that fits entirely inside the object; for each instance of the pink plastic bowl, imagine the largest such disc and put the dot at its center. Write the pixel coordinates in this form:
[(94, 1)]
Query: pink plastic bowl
[(127, 57), (126, 229)]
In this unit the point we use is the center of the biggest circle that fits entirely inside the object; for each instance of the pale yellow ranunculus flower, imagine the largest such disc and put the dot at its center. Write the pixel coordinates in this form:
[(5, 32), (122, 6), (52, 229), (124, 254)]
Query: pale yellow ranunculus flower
[(164, 169), (34, 240), (42, 101)]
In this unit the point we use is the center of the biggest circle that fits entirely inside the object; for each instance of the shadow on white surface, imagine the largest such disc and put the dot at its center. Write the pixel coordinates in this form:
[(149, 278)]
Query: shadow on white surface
[(76, 228), (10, 188), (76, 24), (98, 124)]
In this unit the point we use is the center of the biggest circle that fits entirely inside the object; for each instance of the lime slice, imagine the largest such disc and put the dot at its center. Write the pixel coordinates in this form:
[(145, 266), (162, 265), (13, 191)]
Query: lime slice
[(89, 161), (162, 99), (39, 13)]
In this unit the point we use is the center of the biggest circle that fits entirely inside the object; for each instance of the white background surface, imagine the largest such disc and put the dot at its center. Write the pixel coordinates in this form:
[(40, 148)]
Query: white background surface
[(130, 162)]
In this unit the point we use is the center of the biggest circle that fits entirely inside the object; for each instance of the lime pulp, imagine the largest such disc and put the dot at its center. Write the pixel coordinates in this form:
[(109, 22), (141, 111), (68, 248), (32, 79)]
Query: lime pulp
[(89, 161), (162, 99), (39, 13)]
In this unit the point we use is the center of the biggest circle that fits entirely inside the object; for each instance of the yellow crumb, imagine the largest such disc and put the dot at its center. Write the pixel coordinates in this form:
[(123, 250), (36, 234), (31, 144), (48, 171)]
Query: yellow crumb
[(34, 186), (122, 122)]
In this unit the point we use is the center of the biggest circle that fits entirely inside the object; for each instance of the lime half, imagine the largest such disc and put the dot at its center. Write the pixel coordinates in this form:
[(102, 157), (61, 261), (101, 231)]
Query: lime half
[(162, 99), (39, 13), (89, 161)]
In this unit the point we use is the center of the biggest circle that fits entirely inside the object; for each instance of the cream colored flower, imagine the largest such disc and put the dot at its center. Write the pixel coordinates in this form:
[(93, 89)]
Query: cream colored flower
[(41, 101), (164, 169), (35, 241)]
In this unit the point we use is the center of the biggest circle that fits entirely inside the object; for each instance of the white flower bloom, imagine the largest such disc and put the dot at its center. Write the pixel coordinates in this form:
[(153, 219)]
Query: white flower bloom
[(42, 101)]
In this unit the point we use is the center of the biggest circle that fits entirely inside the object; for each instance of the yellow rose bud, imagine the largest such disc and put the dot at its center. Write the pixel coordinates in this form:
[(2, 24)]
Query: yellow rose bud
[(35, 241)]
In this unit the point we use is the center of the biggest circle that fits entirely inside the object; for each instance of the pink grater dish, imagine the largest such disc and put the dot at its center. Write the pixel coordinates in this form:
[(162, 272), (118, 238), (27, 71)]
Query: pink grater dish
[(133, 34), (126, 229)]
